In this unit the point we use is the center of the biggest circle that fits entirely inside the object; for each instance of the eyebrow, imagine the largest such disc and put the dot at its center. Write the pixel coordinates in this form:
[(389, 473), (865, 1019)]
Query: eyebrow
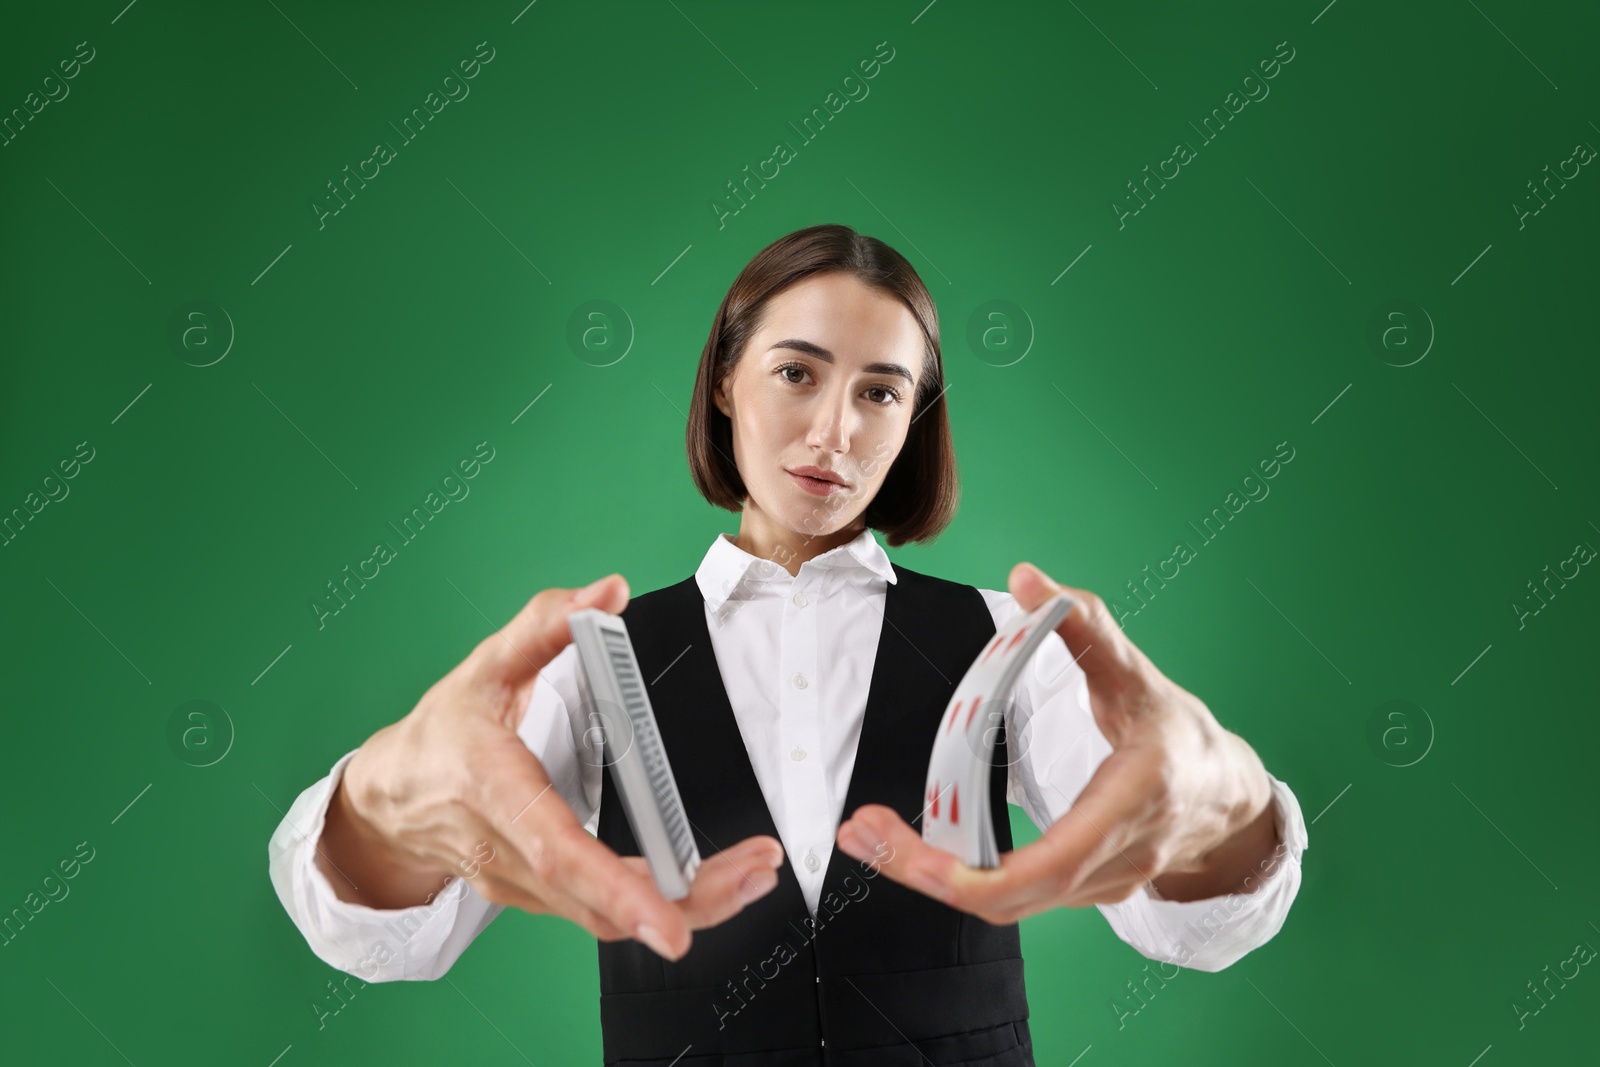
[(827, 357)]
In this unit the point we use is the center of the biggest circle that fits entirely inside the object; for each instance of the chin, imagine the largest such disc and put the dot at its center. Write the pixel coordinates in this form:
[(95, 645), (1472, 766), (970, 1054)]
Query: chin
[(820, 522), (809, 516)]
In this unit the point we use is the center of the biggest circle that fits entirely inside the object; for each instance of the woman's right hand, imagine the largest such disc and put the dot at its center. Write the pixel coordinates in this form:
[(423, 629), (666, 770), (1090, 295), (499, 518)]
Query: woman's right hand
[(425, 797)]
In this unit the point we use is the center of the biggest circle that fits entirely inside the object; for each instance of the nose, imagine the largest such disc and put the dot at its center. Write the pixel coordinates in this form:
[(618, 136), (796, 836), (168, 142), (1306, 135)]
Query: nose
[(830, 423)]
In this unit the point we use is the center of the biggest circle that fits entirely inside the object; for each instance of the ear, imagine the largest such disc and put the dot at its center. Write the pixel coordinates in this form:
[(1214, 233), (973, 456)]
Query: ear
[(719, 397)]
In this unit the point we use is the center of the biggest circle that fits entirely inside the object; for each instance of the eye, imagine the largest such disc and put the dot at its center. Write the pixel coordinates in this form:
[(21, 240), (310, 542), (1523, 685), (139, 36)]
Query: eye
[(895, 396)]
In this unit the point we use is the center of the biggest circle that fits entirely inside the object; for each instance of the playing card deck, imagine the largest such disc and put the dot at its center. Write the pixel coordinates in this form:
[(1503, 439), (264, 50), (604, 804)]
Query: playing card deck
[(609, 681), (956, 815)]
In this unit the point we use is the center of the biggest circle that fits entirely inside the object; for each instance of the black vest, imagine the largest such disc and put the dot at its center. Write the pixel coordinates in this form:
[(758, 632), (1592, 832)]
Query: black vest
[(884, 975)]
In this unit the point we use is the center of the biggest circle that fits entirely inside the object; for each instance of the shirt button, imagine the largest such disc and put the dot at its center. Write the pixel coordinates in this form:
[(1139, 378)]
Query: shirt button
[(799, 681), (812, 862), (798, 754), (800, 599)]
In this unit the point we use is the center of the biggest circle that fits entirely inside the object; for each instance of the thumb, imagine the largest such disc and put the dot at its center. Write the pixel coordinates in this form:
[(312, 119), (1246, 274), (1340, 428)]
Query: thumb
[(535, 635), (1096, 642)]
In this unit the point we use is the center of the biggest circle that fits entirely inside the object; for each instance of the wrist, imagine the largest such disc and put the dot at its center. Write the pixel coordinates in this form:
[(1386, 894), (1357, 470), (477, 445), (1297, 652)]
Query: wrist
[(362, 866), (1238, 865)]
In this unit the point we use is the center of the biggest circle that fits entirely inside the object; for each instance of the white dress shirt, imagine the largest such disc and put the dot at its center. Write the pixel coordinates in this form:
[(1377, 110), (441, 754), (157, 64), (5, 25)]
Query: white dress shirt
[(796, 656)]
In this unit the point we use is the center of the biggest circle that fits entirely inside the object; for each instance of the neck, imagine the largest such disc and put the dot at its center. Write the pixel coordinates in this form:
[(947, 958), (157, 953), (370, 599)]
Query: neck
[(765, 539)]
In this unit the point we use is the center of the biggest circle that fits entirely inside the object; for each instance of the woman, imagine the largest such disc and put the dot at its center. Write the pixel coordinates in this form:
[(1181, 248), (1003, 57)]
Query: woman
[(797, 678)]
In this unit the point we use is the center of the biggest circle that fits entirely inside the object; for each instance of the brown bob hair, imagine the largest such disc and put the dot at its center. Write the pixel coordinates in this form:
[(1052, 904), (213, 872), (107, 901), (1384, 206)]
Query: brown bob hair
[(919, 494)]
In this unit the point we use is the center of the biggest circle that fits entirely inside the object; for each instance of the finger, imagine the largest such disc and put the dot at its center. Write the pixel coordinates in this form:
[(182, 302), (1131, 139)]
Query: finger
[(584, 881), (510, 894), (552, 857), (511, 881), (732, 879), (1096, 641), (598, 879), (876, 835), (1101, 834), (518, 651), (1030, 879), (726, 882)]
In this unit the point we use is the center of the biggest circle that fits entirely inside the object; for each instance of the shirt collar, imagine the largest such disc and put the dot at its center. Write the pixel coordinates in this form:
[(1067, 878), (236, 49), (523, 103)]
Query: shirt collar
[(726, 566)]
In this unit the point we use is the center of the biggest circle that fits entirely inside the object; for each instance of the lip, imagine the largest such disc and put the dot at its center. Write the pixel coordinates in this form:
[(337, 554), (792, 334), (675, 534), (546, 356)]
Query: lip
[(814, 485), (821, 475)]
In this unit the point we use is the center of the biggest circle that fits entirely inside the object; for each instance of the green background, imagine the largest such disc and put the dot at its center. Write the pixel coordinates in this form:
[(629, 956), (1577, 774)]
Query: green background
[(1230, 314)]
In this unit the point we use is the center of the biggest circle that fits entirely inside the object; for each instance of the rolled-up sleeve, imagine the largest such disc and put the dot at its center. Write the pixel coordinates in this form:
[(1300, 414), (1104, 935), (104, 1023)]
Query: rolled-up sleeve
[(1055, 747)]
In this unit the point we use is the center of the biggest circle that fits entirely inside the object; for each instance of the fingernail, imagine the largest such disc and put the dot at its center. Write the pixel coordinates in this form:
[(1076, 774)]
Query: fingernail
[(757, 886), (583, 597), (867, 836), (652, 937)]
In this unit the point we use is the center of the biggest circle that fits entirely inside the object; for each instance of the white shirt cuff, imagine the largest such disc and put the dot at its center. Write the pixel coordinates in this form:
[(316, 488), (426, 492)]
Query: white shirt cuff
[(1213, 933), (375, 944)]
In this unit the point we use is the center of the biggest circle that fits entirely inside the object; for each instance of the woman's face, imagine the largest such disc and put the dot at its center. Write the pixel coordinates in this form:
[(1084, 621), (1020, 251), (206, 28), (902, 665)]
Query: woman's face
[(827, 382)]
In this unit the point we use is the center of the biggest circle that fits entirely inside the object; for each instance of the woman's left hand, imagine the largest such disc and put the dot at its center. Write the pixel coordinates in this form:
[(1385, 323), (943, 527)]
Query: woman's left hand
[(1180, 802)]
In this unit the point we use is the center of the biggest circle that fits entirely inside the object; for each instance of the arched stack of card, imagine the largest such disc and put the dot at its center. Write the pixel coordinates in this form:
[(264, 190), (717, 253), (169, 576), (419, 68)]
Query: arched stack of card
[(615, 699), (956, 812)]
